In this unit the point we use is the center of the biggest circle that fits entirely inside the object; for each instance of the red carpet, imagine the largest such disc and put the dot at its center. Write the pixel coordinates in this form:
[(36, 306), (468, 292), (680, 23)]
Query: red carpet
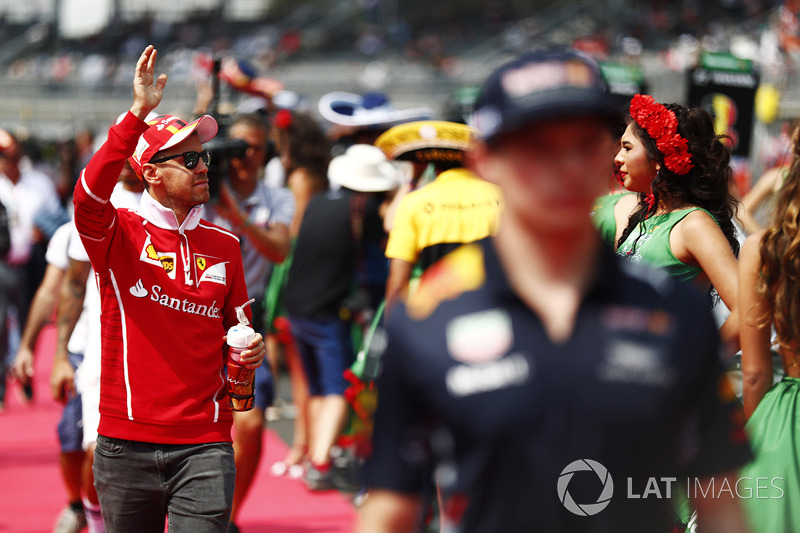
[(32, 493)]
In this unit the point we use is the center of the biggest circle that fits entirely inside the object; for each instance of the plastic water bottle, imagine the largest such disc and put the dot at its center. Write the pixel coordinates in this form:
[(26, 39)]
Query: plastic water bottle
[(240, 381)]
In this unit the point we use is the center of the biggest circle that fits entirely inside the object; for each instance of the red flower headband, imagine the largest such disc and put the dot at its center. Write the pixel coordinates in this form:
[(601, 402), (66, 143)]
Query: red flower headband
[(283, 119), (662, 125)]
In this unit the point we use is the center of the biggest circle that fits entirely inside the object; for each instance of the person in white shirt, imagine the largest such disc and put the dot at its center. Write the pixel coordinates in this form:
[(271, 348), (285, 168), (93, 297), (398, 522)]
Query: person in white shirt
[(26, 194)]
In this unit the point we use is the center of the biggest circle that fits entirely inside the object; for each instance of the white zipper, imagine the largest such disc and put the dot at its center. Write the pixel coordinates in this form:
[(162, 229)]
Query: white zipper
[(186, 263)]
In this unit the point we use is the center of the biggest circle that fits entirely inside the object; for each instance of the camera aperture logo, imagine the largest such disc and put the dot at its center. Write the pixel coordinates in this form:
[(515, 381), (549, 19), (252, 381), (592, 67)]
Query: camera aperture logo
[(585, 509)]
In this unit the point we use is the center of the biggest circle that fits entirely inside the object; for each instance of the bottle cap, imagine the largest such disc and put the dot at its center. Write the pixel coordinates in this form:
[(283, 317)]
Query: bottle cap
[(240, 336)]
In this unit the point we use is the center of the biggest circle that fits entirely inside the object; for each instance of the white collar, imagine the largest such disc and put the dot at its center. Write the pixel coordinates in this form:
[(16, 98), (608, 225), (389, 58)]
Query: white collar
[(163, 217)]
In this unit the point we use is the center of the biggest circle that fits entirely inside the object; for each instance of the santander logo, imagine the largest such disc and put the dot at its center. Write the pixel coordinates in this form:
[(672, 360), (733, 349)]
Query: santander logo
[(138, 290), (185, 306)]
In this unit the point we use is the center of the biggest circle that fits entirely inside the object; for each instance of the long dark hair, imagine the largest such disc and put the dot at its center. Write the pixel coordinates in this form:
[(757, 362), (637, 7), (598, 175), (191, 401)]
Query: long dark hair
[(307, 147), (706, 185)]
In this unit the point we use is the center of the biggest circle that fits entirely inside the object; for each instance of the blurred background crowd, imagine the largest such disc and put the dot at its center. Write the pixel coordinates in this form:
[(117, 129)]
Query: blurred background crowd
[(66, 64)]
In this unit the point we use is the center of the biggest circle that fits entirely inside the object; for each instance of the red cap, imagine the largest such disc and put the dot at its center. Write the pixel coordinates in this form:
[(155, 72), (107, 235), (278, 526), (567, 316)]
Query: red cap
[(166, 131)]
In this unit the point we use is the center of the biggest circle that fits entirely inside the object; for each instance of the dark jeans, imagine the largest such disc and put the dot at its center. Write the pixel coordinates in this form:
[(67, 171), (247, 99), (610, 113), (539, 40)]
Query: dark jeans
[(141, 484), (326, 351), (70, 427), (14, 282)]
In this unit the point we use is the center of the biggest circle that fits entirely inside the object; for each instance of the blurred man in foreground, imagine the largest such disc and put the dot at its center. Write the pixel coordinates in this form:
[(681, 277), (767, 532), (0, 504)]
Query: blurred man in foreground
[(528, 368)]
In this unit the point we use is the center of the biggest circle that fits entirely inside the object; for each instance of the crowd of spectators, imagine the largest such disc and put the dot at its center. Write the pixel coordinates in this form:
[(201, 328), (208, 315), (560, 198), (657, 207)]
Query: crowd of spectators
[(368, 30)]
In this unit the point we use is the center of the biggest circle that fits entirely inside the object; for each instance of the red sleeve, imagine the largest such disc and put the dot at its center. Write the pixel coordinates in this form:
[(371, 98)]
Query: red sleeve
[(95, 217)]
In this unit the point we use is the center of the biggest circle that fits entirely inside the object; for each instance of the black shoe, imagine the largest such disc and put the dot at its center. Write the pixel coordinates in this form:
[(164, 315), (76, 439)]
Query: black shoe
[(344, 474), (233, 528), (317, 480)]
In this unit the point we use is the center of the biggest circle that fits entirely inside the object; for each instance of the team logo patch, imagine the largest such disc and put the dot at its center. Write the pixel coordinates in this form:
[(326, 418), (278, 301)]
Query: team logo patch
[(656, 322), (215, 274), (138, 289), (149, 254), (211, 269), (637, 362), (480, 337), (165, 260), (459, 271)]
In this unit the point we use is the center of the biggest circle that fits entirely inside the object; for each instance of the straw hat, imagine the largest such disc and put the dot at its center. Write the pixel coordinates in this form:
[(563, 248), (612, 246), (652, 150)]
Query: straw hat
[(427, 141)]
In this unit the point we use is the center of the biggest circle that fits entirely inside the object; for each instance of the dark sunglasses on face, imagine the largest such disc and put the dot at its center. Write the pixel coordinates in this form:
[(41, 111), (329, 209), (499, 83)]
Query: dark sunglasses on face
[(190, 159)]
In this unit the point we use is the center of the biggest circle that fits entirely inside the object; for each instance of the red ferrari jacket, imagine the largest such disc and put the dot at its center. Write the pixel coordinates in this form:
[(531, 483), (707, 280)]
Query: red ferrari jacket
[(169, 294)]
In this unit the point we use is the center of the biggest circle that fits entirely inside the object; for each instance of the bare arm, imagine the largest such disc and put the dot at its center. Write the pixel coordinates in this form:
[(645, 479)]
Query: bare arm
[(698, 240), (755, 332), (73, 291), (42, 308), (719, 512), (388, 217), (272, 242), (389, 512), (764, 187), (302, 185), (205, 95)]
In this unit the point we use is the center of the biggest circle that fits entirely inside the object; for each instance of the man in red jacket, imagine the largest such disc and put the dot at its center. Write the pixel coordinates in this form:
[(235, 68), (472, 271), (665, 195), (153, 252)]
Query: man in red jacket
[(170, 283)]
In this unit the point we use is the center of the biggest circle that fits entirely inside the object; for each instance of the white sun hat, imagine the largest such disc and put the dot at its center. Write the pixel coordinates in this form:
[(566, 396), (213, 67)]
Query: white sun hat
[(364, 168)]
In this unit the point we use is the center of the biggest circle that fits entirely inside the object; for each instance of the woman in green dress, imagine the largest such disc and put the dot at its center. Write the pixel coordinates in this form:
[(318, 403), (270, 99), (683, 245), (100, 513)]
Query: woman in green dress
[(769, 295), (680, 216)]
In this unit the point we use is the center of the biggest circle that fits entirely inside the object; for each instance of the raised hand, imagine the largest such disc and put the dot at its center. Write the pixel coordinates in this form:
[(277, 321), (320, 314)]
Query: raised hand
[(146, 94)]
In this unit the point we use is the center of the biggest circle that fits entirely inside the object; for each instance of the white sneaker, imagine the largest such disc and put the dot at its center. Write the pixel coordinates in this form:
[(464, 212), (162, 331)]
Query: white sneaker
[(70, 521)]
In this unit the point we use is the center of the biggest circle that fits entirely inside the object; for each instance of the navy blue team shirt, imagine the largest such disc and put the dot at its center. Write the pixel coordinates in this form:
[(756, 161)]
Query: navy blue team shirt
[(474, 394)]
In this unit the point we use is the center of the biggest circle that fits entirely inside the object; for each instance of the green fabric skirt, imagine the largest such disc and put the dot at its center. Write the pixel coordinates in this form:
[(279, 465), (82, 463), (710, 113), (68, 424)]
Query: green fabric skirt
[(771, 499), (273, 296)]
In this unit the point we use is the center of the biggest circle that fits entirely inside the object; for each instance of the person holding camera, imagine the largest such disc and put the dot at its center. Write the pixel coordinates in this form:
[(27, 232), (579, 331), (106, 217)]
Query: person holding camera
[(261, 216), (170, 284)]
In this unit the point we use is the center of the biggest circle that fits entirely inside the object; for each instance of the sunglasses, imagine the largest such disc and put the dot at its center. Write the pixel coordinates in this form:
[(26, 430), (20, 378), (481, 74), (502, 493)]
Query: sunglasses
[(190, 159)]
